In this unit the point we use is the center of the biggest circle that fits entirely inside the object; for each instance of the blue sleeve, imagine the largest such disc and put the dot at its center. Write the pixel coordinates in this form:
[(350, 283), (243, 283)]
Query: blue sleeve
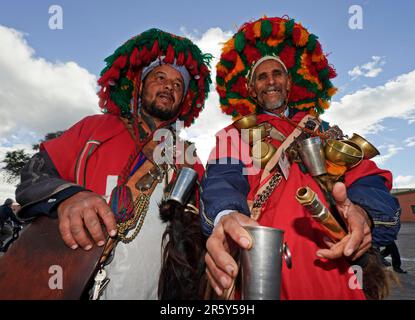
[(372, 195), (49, 206), (223, 187)]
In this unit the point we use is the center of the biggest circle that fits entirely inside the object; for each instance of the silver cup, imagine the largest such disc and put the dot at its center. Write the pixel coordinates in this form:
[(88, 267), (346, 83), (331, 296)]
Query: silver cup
[(183, 186), (312, 153), (261, 265)]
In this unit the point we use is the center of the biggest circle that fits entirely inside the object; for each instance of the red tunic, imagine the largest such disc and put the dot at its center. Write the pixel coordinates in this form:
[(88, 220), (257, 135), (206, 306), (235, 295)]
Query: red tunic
[(96, 147), (310, 276)]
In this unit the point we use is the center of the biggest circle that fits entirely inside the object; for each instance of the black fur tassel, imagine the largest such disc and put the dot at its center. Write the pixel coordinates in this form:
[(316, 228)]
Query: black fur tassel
[(182, 273)]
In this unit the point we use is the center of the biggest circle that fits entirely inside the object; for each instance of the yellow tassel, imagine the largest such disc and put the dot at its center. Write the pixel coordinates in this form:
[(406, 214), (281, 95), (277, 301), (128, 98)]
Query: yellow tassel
[(229, 45), (257, 29), (303, 71), (273, 42), (239, 66), (281, 30), (332, 91), (303, 38)]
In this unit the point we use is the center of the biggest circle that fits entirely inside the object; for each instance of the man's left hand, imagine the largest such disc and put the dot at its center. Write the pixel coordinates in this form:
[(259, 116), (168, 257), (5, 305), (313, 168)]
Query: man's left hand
[(359, 239)]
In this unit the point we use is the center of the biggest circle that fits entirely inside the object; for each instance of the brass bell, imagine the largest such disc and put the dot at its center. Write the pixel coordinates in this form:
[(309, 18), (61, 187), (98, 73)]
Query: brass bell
[(369, 151), (246, 122), (343, 153), (254, 134), (261, 153)]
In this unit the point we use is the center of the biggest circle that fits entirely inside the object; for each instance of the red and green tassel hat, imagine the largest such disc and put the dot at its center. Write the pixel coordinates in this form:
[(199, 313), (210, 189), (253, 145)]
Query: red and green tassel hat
[(120, 80), (299, 50)]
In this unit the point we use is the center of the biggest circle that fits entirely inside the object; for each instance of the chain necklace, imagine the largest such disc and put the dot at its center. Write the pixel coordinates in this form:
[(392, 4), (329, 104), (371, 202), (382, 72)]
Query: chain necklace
[(264, 195), (140, 211)]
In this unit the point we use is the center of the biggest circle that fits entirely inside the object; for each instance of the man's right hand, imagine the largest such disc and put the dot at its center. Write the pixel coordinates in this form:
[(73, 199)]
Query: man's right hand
[(81, 212), (221, 267)]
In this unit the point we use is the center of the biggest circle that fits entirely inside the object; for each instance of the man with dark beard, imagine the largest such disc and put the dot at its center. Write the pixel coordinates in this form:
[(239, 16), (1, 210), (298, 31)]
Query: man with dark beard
[(104, 168)]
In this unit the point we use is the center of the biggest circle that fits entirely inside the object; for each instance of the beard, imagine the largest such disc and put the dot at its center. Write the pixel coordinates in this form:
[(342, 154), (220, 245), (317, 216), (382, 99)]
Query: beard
[(162, 113), (275, 105)]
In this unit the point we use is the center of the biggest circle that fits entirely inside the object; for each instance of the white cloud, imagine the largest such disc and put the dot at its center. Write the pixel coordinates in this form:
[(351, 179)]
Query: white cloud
[(38, 95), (410, 142), (391, 151), (404, 182), (211, 120), (364, 110), (369, 70)]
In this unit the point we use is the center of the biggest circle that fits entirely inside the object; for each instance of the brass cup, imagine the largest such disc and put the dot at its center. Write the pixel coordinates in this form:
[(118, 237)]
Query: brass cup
[(246, 122), (343, 153), (255, 134), (261, 153), (369, 150)]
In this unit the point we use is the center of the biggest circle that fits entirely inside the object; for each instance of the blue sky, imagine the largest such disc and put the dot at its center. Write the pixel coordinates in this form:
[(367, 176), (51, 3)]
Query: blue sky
[(374, 64)]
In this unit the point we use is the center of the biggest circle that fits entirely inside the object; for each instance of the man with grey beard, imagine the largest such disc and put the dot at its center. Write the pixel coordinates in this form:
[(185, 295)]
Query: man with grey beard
[(273, 76)]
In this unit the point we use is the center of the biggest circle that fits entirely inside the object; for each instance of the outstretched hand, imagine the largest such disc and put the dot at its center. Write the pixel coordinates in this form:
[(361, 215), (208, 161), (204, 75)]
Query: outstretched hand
[(226, 236), (359, 239)]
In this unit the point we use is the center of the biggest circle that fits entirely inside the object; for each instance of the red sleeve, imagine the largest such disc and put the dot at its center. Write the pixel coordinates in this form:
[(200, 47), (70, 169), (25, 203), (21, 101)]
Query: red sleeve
[(367, 168), (65, 149)]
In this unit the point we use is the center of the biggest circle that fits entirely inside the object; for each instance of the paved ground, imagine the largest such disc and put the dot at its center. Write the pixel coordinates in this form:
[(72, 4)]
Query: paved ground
[(406, 245)]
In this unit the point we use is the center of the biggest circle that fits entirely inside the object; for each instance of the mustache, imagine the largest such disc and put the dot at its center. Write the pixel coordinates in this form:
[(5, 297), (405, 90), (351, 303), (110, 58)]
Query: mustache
[(273, 88), (166, 94)]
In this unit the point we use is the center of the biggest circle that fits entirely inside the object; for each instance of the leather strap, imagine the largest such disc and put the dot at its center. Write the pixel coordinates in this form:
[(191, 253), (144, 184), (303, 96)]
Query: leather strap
[(272, 163)]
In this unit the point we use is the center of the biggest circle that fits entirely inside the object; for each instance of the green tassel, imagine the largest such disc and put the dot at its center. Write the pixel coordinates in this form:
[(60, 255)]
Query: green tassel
[(240, 41), (312, 41), (289, 26), (223, 101), (228, 64), (266, 29), (220, 81)]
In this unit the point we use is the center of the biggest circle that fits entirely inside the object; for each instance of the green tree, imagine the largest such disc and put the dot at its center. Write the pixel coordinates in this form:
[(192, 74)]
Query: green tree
[(15, 160)]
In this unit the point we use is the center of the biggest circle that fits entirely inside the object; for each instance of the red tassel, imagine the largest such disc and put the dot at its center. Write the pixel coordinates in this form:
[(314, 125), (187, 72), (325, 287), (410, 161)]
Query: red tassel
[(204, 71), (287, 55), (180, 59), (145, 56), (317, 50), (332, 72), (296, 34), (298, 93), (221, 92), (240, 87), (249, 33), (169, 54), (230, 56), (322, 64), (112, 74), (120, 62), (135, 58), (275, 28), (252, 54), (155, 51), (112, 108)]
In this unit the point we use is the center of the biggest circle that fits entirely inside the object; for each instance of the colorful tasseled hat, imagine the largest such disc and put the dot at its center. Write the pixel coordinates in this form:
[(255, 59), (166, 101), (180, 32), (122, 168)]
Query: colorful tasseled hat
[(121, 79), (299, 50)]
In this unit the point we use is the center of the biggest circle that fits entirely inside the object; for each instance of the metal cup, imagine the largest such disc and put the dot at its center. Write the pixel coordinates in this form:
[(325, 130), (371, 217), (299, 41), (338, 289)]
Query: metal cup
[(183, 186), (261, 264), (312, 153)]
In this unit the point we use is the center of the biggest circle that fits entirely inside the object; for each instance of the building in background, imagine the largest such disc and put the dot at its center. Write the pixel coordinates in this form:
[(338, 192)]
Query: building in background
[(406, 198)]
